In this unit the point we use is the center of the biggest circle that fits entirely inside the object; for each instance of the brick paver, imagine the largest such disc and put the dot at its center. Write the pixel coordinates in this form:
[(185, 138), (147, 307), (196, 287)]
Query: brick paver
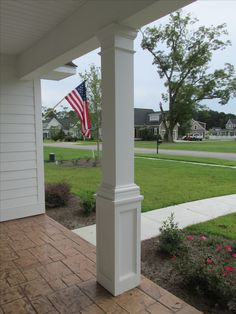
[(47, 269)]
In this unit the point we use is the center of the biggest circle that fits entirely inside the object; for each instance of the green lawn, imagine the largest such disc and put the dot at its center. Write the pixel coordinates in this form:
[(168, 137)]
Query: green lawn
[(209, 146), (66, 153), (162, 183), (91, 142), (214, 161), (223, 226)]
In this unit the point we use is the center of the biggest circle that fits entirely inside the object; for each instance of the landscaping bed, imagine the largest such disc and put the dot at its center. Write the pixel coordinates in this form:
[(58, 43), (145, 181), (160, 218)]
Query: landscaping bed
[(206, 274), (72, 216)]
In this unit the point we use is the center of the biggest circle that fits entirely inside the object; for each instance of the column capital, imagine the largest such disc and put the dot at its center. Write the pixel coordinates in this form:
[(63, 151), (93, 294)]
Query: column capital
[(118, 36)]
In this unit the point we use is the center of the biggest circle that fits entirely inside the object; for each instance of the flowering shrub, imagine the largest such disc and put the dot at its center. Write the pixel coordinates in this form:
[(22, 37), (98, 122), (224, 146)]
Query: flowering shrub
[(209, 267), (171, 237)]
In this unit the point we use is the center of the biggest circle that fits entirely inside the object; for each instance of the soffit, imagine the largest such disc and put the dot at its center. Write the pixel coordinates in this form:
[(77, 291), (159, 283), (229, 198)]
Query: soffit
[(24, 22)]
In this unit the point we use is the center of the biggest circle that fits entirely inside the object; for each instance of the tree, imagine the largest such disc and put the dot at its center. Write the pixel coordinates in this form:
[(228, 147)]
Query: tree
[(183, 57), (93, 80)]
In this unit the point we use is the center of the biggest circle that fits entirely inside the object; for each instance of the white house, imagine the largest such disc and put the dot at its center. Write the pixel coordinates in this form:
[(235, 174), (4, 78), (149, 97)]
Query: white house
[(38, 37)]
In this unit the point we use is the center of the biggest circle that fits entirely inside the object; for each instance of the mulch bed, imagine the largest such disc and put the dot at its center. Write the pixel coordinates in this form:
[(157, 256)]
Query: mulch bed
[(155, 265), (81, 163), (72, 216)]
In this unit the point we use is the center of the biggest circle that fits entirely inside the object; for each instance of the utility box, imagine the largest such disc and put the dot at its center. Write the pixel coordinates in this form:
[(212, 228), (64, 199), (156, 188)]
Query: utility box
[(52, 157)]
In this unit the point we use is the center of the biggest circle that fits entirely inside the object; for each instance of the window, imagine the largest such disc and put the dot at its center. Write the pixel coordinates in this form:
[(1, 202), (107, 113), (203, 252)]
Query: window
[(154, 117)]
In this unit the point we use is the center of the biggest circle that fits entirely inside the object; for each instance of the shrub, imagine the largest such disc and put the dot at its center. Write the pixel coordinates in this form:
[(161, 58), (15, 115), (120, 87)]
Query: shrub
[(147, 134), (57, 194), (209, 268), (88, 202), (171, 237)]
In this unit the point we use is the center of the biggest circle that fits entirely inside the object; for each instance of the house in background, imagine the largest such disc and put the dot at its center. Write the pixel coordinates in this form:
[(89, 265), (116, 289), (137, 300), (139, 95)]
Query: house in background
[(198, 128), (231, 127), (228, 132), (151, 120), (54, 123)]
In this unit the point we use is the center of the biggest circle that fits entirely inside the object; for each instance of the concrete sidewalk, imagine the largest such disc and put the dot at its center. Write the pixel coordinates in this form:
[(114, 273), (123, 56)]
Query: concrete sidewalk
[(186, 214)]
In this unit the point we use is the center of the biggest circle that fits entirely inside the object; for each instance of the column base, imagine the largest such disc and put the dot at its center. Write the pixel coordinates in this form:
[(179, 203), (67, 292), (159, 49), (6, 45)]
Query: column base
[(118, 237)]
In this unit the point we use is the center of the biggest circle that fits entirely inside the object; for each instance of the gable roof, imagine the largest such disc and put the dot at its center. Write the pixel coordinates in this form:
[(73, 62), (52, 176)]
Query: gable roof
[(66, 123), (141, 116), (232, 120), (201, 125)]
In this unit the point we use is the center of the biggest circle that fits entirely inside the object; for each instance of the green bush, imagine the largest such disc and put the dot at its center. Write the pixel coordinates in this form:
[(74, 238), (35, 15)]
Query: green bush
[(147, 134), (57, 194), (171, 237), (88, 202)]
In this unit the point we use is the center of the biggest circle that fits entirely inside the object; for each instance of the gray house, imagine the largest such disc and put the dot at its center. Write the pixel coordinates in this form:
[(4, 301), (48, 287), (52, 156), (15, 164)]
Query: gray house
[(152, 120), (198, 128)]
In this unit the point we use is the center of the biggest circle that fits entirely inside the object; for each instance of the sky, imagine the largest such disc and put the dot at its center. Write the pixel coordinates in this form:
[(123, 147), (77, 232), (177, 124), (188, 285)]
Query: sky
[(147, 85)]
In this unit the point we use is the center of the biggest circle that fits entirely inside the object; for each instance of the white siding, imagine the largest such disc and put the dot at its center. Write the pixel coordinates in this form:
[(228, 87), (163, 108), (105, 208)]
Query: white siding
[(21, 158)]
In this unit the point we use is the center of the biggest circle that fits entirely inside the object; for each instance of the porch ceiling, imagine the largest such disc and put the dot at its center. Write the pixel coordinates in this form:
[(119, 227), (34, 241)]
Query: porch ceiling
[(47, 34), (24, 22)]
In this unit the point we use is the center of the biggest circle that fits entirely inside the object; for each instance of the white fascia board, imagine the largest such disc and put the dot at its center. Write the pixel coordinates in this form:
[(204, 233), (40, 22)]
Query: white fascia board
[(155, 11)]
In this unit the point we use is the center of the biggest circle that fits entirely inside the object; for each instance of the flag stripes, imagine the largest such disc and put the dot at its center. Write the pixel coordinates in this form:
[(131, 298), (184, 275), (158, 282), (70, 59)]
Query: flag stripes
[(78, 101)]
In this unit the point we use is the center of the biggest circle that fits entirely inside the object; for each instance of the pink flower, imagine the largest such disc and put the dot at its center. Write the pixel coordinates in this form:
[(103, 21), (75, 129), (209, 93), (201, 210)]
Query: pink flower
[(228, 248), (190, 237), (173, 258), (234, 255), (229, 269), (218, 248), (225, 274), (203, 238), (210, 261)]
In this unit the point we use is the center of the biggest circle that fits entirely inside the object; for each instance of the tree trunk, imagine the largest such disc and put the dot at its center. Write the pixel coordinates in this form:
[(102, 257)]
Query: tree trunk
[(170, 135)]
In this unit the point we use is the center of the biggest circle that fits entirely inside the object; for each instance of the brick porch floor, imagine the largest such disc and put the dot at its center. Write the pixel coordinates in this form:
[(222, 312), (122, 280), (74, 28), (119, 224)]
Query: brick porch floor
[(45, 268)]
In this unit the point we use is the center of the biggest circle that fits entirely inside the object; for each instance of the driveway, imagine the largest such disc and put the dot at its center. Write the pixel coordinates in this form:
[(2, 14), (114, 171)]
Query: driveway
[(228, 156)]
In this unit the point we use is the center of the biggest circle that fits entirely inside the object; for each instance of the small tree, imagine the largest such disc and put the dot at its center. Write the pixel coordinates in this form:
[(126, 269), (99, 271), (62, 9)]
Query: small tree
[(183, 57), (93, 78)]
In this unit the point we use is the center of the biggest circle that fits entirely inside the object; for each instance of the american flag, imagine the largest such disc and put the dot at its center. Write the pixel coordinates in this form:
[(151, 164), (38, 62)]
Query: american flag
[(77, 98)]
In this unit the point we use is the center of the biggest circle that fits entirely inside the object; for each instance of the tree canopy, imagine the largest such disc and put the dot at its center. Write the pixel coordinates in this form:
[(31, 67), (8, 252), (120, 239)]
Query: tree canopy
[(182, 54)]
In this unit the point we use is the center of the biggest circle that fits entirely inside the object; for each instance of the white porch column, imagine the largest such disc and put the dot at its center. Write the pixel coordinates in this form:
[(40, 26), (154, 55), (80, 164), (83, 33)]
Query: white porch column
[(118, 198)]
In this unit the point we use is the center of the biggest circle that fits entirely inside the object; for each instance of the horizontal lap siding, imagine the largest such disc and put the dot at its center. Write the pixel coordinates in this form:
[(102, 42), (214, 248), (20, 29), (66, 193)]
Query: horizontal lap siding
[(21, 172)]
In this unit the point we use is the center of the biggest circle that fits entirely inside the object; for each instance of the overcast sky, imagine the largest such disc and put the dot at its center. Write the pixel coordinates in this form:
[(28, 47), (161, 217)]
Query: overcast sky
[(147, 85)]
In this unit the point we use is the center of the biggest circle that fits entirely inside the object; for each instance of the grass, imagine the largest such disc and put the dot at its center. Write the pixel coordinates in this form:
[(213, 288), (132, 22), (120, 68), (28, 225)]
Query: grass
[(208, 146), (206, 160), (162, 183), (222, 226), (66, 153), (91, 142)]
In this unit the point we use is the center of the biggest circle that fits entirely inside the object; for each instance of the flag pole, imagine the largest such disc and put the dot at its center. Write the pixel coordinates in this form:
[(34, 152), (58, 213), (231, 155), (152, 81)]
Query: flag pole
[(54, 107)]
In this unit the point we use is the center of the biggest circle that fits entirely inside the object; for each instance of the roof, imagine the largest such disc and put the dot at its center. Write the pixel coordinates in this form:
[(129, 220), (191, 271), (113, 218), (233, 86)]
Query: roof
[(232, 120), (141, 116), (65, 122)]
